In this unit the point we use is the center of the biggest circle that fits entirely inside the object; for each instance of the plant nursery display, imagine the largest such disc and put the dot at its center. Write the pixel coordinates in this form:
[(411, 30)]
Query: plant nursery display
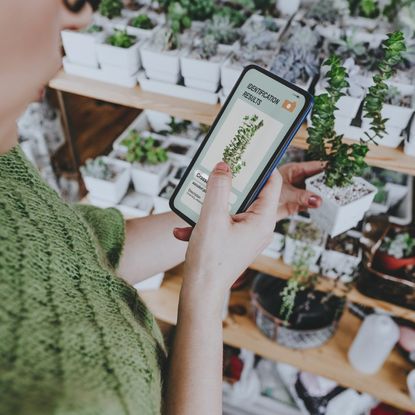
[(150, 164), (346, 196), (234, 151), (106, 179)]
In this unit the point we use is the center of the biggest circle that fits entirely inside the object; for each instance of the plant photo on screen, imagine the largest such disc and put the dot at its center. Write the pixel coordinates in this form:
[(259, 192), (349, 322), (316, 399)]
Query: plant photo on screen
[(234, 151)]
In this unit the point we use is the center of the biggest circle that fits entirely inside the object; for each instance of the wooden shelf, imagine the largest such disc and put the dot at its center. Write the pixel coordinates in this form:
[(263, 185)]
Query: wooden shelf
[(329, 360), (388, 158), (277, 268)]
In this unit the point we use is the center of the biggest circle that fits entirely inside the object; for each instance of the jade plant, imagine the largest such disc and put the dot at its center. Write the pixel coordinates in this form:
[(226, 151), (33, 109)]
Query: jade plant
[(234, 151), (143, 150), (110, 8), (142, 21), (345, 161), (121, 39), (98, 169)]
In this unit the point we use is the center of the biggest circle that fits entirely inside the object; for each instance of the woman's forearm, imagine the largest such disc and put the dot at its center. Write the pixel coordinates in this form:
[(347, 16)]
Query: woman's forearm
[(195, 368), (150, 247)]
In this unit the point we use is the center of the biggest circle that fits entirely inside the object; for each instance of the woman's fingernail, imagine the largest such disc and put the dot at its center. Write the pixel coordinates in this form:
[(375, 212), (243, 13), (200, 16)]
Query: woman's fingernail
[(313, 201), (222, 166)]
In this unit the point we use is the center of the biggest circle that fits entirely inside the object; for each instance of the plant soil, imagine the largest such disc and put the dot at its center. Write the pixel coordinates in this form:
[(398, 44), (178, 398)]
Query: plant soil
[(342, 195), (345, 244)]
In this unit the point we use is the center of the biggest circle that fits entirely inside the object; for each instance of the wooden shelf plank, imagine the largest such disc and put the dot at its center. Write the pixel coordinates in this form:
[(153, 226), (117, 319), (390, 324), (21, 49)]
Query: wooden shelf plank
[(329, 360), (135, 98), (277, 268), (388, 158)]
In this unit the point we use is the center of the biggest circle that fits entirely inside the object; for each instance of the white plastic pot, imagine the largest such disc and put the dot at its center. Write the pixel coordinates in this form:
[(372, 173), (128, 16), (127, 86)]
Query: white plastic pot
[(116, 60), (110, 191), (336, 264), (135, 205), (207, 72), (288, 7), (334, 218), (160, 65), (80, 47), (274, 249), (343, 126), (148, 179)]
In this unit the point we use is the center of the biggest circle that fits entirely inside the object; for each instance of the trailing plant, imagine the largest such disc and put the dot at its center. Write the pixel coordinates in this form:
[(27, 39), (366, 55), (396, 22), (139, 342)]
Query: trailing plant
[(110, 8), (222, 29), (399, 246), (143, 150), (345, 161), (98, 169), (121, 39), (142, 21), (394, 48), (234, 151), (300, 280)]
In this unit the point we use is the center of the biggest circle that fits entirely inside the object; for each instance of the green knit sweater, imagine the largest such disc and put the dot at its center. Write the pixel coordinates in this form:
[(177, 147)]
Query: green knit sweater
[(74, 338)]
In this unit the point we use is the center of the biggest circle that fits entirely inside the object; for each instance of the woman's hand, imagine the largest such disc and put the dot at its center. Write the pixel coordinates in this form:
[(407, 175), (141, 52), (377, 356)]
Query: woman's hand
[(222, 246), (293, 196)]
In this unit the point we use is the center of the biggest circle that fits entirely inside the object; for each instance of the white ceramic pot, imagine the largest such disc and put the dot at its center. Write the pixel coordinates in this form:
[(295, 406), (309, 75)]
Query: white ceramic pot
[(347, 106), (409, 147), (203, 85), (148, 179), (392, 137), (80, 47), (179, 149), (336, 264), (115, 60), (207, 72), (275, 248), (161, 65), (229, 75), (110, 191), (159, 121), (334, 218), (288, 7), (343, 126), (397, 117)]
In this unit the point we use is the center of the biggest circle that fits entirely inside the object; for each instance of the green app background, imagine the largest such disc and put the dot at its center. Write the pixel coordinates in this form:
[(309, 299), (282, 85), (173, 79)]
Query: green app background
[(276, 111)]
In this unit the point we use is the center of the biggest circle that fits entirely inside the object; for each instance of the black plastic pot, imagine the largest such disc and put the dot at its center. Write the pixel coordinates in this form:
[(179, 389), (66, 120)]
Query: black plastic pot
[(312, 322)]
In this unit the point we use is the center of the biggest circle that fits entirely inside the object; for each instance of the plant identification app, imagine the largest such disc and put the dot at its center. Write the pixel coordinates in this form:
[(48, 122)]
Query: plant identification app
[(248, 134)]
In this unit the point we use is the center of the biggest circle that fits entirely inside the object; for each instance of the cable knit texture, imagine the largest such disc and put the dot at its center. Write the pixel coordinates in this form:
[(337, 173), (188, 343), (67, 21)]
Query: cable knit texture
[(74, 338)]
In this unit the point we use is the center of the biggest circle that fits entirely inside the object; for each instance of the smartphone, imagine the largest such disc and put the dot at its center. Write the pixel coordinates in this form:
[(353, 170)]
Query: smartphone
[(251, 133)]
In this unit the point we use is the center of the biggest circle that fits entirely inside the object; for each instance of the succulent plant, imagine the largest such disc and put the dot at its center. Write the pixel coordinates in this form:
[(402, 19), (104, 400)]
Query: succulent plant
[(205, 47), (399, 246), (328, 11), (110, 8), (142, 21), (94, 29), (236, 17), (349, 47), (143, 149), (178, 17), (165, 40), (98, 169), (121, 39), (257, 35), (222, 29), (306, 232)]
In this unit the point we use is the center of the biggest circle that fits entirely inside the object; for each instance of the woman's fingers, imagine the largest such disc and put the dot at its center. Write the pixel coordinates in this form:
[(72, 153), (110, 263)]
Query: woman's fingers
[(216, 202), (296, 173), (183, 234), (267, 201), (293, 195)]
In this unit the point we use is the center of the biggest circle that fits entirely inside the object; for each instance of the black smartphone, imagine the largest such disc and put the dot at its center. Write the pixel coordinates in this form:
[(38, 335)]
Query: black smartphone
[(251, 133)]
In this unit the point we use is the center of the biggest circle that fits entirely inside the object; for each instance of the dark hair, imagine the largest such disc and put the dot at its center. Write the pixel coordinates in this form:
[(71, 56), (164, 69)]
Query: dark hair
[(77, 5)]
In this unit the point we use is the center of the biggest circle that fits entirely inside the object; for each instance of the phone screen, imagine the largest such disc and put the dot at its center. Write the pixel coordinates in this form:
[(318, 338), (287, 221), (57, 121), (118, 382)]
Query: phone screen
[(248, 134)]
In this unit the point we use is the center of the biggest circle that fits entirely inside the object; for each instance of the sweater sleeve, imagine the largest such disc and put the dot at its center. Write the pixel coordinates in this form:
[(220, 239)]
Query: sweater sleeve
[(108, 226)]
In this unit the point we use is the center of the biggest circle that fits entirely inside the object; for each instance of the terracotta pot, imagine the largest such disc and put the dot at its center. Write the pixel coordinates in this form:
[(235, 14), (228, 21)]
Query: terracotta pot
[(385, 262)]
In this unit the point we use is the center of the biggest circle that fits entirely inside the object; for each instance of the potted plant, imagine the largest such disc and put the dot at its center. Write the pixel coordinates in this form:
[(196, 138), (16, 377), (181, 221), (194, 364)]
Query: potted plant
[(224, 32), (150, 163), (80, 46), (303, 234), (136, 205), (110, 8), (181, 128), (141, 25), (341, 257), (396, 251), (106, 179), (180, 149), (161, 56), (345, 195), (292, 312), (297, 61), (201, 65), (119, 54)]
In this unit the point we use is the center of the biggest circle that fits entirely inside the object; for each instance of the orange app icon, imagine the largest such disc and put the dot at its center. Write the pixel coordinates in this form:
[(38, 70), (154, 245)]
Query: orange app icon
[(289, 105)]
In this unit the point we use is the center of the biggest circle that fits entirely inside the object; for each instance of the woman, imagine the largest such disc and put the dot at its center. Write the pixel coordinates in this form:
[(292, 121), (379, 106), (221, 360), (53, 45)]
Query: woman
[(74, 337)]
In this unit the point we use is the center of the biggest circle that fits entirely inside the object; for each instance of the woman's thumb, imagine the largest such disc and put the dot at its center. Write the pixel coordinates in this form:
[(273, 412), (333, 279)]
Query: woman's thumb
[(218, 191)]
